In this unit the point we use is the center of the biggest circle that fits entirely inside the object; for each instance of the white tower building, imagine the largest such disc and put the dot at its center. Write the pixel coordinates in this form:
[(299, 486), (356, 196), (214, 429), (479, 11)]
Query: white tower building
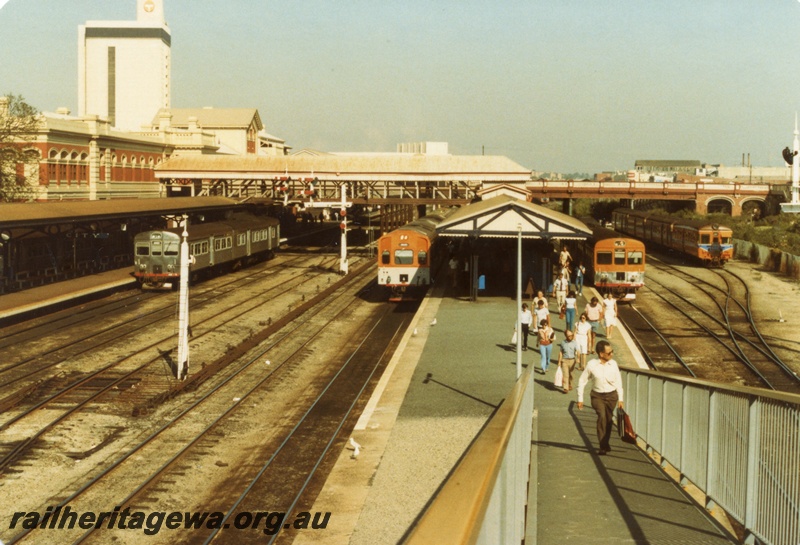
[(124, 67)]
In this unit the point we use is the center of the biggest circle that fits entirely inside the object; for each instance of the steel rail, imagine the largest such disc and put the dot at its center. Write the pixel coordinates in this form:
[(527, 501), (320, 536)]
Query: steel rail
[(149, 439)]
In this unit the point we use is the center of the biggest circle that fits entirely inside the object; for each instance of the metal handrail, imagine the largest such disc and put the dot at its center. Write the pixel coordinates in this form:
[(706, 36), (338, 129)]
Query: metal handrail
[(740, 446)]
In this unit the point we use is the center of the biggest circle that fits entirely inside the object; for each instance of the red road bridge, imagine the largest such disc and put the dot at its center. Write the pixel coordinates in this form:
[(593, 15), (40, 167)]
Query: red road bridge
[(708, 196)]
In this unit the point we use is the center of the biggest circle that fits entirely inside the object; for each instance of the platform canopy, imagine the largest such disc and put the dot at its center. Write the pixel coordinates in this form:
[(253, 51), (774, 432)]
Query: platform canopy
[(502, 216)]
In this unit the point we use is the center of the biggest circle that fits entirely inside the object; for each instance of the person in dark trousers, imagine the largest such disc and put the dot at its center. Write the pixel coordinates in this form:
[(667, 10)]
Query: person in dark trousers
[(525, 320), (607, 393)]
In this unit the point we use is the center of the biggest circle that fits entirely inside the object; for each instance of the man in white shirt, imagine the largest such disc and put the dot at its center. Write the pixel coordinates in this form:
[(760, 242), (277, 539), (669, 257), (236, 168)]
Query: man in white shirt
[(607, 393)]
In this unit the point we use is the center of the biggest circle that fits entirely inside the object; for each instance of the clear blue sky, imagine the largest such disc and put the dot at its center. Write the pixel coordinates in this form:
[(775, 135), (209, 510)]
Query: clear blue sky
[(564, 85)]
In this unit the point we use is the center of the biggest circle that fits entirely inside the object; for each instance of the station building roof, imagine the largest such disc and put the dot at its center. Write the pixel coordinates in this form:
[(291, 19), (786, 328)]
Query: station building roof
[(503, 217), (348, 167), (42, 213), (211, 118)]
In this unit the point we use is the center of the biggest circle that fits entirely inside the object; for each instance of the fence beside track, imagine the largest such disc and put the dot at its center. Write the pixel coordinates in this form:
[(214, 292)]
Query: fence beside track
[(770, 258)]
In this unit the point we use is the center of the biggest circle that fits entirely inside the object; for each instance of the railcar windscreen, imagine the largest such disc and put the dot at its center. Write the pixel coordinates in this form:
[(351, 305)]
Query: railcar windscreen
[(404, 257)]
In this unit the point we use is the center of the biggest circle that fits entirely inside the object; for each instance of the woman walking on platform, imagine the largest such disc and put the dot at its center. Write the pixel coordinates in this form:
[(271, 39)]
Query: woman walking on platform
[(570, 303), (582, 330), (610, 313), (544, 341)]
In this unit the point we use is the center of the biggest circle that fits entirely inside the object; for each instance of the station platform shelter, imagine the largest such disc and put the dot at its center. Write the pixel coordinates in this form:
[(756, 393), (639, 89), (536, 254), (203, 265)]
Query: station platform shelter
[(457, 445)]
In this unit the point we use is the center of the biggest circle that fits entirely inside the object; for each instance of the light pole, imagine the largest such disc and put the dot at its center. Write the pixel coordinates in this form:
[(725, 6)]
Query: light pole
[(519, 299)]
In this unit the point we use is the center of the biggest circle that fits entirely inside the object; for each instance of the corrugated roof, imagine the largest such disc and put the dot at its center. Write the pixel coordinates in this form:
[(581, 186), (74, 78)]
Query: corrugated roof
[(37, 213), (389, 164), (212, 118)]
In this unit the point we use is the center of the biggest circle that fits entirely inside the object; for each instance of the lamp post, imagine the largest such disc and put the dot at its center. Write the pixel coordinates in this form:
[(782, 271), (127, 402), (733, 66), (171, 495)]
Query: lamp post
[(519, 300)]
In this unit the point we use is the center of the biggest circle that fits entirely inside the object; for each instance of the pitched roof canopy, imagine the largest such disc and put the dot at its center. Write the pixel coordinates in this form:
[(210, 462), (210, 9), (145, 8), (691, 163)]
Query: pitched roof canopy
[(504, 216), (212, 118), (348, 167)]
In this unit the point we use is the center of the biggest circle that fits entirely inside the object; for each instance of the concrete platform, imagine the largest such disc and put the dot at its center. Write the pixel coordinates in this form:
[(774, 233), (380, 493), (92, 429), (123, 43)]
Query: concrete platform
[(23, 303), (439, 390)]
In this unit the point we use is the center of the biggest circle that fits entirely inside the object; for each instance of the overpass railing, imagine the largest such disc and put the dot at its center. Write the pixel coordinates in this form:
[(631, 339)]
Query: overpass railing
[(483, 499), (740, 446)]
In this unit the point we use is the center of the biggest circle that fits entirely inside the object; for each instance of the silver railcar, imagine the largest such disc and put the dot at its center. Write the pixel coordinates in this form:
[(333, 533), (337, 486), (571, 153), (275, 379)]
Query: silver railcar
[(215, 247)]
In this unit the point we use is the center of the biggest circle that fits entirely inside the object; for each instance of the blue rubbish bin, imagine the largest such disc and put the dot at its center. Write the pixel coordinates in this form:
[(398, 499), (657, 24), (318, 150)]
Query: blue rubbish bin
[(482, 282)]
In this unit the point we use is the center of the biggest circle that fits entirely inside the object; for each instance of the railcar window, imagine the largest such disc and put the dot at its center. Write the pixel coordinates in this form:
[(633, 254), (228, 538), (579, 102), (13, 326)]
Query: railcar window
[(143, 250), (200, 248), (726, 240), (385, 257), (241, 239), (156, 247), (604, 258), (619, 257), (635, 257), (422, 257), (404, 257), (705, 238), (223, 243)]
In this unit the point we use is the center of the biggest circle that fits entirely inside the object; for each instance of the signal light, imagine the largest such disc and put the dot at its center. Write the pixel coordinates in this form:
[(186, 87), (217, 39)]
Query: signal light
[(343, 225), (788, 155)]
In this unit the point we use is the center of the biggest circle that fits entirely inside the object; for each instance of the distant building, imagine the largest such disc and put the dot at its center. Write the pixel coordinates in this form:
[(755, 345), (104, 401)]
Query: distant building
[(756, 175), (238, 131), (425, 148), (124, 67), (86, 158), (666, 167)]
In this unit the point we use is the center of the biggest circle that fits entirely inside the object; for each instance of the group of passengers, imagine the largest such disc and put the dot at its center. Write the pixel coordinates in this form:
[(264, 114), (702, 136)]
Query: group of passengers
[(579, 336)]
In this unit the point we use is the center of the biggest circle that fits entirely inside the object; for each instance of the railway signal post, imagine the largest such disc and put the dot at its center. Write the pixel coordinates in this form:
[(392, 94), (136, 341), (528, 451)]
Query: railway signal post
[(791, 157), (343, 264), (182, 365)]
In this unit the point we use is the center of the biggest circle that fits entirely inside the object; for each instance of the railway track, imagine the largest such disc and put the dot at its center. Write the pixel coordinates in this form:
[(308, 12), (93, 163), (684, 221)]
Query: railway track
[(131, 380), (711, 306), (236, 399), (34, 350)]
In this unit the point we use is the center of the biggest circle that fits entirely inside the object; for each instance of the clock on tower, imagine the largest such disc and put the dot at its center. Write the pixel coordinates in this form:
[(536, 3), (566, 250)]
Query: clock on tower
[(150, 11)]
